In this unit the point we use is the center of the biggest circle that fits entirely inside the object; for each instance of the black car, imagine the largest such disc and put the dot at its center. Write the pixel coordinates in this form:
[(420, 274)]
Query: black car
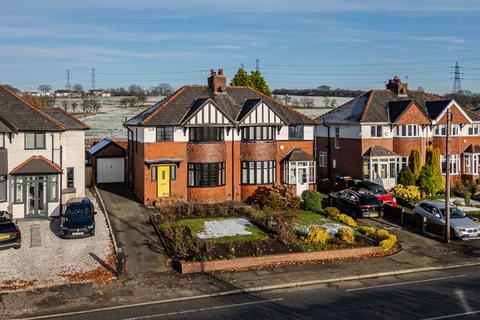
[(358, 205), (78, 219), (10, 236)]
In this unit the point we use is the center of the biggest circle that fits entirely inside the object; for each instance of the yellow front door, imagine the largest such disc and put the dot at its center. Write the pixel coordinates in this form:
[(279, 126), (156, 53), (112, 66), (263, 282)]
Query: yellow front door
[(163, 181)]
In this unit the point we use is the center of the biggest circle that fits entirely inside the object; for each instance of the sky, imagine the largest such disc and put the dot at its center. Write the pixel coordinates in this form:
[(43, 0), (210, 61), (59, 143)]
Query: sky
[(300, 44)]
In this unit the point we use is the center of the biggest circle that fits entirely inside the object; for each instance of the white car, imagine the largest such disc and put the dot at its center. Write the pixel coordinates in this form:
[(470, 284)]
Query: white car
[(463, 227)]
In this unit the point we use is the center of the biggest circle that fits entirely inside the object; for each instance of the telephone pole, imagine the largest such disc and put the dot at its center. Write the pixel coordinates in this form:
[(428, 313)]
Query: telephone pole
[(93, 78), (457, 85), (447, 177), (69, 88)]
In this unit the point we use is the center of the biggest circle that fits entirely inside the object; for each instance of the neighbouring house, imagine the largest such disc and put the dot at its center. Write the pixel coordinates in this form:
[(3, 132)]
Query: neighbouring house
[(41, 157), (67, 93), (107, 159), (215, 143), (98, 93), (371, 136)]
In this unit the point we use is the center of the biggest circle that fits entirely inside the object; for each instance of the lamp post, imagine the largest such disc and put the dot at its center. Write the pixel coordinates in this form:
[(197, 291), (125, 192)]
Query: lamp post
[(447, 177)]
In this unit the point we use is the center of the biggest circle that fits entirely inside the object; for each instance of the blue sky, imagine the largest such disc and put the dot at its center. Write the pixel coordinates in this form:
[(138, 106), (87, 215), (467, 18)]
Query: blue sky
[(300, 44)]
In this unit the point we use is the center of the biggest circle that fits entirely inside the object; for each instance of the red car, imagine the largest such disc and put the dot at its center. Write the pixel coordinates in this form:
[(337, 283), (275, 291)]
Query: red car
[(378, 191)]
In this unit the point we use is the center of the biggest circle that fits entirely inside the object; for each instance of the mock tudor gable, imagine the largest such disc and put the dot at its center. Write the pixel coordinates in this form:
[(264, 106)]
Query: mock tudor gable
[(206, 112), (256, 111)]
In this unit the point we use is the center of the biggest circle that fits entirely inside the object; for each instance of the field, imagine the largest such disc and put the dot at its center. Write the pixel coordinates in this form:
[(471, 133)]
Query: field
[(108, 122)]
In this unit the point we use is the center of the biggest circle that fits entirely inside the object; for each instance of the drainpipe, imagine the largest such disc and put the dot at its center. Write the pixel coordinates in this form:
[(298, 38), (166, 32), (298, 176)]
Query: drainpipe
[(315, 155), (130, 160), (53, 147), (233, 163), (329, 151), (61, 180)]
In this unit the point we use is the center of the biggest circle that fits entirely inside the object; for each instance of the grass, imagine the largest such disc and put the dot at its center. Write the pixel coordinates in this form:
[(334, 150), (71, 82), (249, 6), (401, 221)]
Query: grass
[(197, 225), (308, 218)]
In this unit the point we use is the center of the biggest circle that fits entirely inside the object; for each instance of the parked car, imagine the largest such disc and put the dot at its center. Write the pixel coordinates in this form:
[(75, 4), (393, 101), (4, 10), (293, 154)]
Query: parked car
[(462, 227), (358, 205), (78, 219), (376, 190), (10, 235)]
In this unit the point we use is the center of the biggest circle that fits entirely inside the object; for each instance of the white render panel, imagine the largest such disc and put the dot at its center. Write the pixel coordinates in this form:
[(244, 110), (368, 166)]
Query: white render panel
[(233, 134), (349, 132), (208, 115), (149, 134), (308, 133), (73, 143), (262, 114), (179, 136), (367, 133), (283, 134)]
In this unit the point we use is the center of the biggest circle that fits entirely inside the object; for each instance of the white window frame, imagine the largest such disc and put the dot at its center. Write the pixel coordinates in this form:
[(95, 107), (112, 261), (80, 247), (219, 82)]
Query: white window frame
[(337, 138), (454, 164), (407, 130), (440, 130), (322, 159), (473, 130), (376, 131)]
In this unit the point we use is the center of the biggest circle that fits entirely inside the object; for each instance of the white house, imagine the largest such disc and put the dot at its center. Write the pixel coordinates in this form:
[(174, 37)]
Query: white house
[(42, 154)]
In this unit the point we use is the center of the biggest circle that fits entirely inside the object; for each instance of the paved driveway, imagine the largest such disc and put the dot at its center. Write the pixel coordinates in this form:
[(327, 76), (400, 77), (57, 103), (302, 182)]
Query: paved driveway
[(133, 230)]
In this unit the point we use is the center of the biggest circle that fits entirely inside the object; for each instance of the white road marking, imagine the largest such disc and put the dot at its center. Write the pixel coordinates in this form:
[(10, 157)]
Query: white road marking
[(453, 315), (226, 306), (463, 300), (403, 283)]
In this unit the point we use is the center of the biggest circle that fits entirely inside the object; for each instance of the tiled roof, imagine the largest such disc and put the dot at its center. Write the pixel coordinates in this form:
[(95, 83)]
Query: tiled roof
[(37, 165), (172, 110), (23, 116), (297, 154), (473, 148), (379, 151), (68, 121), (102, 144)]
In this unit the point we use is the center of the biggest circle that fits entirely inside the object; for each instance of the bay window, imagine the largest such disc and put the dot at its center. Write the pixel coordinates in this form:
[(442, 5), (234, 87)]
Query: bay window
[(258, 172), (454, 163), (3, 188), (206, 174)]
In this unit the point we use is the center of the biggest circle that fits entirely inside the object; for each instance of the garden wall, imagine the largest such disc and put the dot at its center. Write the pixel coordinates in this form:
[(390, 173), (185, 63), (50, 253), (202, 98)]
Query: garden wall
[(252, 262)]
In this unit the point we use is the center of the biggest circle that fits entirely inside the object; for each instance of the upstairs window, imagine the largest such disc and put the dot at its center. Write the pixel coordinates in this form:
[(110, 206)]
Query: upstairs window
[(3, 188), (35, 140), (322, 159), (441, 130), (164, 134), (258, 133), (70, 177), (407, 130), (337, 138), (295, 133), (376, 131), (206, 134), (473, 129)]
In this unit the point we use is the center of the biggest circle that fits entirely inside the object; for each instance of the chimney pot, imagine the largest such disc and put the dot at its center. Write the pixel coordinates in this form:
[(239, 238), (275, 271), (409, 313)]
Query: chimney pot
[(217, 83), (220, 72), (212, 72)]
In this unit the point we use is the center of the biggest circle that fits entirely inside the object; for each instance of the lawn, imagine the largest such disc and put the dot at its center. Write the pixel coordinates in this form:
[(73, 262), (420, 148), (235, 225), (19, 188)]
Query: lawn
[(308, 219), (221, 230)]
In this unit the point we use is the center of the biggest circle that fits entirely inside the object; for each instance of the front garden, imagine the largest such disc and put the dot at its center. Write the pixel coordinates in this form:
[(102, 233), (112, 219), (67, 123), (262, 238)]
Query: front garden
[(275, 222)]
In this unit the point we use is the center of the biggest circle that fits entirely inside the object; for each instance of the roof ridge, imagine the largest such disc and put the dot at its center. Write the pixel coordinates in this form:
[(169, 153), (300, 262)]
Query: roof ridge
[(46, 116), (172, 97), (72, 117)]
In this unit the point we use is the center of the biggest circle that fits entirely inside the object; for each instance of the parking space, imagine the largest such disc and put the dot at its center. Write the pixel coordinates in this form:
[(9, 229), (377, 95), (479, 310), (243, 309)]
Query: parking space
[(45, 259)]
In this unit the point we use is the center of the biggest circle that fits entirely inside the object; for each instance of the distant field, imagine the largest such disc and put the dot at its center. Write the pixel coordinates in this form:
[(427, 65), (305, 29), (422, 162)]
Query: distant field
[(108, 123)]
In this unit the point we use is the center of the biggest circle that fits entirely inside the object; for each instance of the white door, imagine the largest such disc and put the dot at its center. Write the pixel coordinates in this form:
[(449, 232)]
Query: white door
[(302, 179), (110, 170)]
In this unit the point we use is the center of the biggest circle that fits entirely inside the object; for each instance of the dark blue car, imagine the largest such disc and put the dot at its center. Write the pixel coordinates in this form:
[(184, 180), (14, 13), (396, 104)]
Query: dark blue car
[(78, 219)]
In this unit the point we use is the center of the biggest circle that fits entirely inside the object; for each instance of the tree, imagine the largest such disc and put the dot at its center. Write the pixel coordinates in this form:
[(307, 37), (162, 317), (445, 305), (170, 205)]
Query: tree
[(333, 103), (307, 102), (134, 90), (326, 102), (163, 89), (90, 104), (260, 84), (431, 180), (44, 88), (241, 78), (77, 87), (415, 163), (405, 177)]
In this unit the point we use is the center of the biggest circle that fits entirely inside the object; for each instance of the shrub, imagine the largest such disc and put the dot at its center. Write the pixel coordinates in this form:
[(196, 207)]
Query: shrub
[(387, 245), (409, 193), (467, 198), (312, 200), (382, 234), (405, 177), (415, 164), (332, 212), (431, 180), (346, 235), (458, 203), (317, 235), (349, 221), (278, 198), (368, 231)]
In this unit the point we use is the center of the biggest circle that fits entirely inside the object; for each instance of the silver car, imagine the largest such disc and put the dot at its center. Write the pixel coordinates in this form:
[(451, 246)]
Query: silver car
[(463, 227)]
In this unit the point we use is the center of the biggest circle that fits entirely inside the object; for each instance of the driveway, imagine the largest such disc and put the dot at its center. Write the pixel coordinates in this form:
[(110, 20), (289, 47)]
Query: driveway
[(49, 260), (133, 230)]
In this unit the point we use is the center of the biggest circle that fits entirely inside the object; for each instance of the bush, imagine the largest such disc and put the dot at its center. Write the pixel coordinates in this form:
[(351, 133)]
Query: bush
[(312, 200), (278, 198), (317, 235), (346, 235), (431, 180), (405, 177), (368, 231), (467, 198), (415, 164), (382, 234), (387, 245), (332, 212), (349, 221), (409, 193), (458, 203)]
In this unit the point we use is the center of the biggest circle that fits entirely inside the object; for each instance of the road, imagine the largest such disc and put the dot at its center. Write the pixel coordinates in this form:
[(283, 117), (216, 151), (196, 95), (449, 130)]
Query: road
[(450, 294)]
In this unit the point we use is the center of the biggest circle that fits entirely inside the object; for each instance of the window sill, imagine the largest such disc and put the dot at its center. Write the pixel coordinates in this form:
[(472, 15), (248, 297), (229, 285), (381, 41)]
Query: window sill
[(257, 184), (206, 142), (222, 185), (35, 148)]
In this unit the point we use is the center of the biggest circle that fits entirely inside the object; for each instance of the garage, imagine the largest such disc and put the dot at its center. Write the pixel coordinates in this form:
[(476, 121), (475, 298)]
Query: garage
[(107, 159), (110, 170)]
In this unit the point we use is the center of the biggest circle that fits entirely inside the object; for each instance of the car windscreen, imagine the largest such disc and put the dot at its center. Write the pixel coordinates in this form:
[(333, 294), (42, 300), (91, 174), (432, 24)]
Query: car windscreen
[(8, 227), (455, 213), (369, 200), (376, 190), (73, 211)]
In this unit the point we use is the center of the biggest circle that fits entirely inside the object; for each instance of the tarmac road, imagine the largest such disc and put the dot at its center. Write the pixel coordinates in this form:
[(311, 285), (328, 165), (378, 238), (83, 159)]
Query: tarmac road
[(449, 294)]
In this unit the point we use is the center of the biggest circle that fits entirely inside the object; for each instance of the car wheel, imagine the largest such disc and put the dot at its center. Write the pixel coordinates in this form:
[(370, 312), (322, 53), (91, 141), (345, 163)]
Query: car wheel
[(92, 233), (453, 235), (17, 247)]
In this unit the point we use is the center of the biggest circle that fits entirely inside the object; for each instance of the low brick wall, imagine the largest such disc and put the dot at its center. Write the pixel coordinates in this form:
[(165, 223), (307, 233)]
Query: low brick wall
[(251, 262)]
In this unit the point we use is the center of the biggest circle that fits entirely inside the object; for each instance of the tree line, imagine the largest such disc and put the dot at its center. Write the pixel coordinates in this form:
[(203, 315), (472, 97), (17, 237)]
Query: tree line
[(321, 91)]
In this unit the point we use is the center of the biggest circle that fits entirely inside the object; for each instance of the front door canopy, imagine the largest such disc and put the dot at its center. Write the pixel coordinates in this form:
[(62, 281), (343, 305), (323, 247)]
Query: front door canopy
[(36, 165)]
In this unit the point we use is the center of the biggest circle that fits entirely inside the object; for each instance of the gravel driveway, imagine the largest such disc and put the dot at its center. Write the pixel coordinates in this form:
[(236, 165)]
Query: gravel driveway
[(57, 261)]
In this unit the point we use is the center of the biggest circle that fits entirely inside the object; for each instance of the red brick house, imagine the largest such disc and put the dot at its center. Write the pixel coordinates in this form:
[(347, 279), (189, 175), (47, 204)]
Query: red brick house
[(371, 136), (215, 143)]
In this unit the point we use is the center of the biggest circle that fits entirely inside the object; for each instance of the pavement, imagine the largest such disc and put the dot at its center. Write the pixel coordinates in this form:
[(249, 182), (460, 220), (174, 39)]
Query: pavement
[(434, 295), (133, 231), (420, 255)]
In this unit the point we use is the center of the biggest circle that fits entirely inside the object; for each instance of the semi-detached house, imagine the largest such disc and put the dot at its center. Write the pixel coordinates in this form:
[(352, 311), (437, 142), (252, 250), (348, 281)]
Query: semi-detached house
[(42, 154), (216, 143), (371, 136)]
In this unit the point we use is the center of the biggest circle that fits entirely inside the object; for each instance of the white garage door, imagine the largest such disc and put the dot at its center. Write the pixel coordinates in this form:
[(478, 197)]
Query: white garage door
[(110, 170)]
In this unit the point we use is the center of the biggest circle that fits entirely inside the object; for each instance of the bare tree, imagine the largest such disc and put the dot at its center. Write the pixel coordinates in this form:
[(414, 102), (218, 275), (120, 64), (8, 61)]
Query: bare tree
[(326, 102), (333, 103), (44, 88), (77, 87)]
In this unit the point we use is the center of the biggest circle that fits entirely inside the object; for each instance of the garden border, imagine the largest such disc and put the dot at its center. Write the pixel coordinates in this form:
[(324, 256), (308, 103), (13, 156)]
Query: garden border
[(186, 267)]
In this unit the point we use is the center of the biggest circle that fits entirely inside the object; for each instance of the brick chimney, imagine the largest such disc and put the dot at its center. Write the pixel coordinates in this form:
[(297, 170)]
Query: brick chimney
[(217, 83), (398, 87)]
